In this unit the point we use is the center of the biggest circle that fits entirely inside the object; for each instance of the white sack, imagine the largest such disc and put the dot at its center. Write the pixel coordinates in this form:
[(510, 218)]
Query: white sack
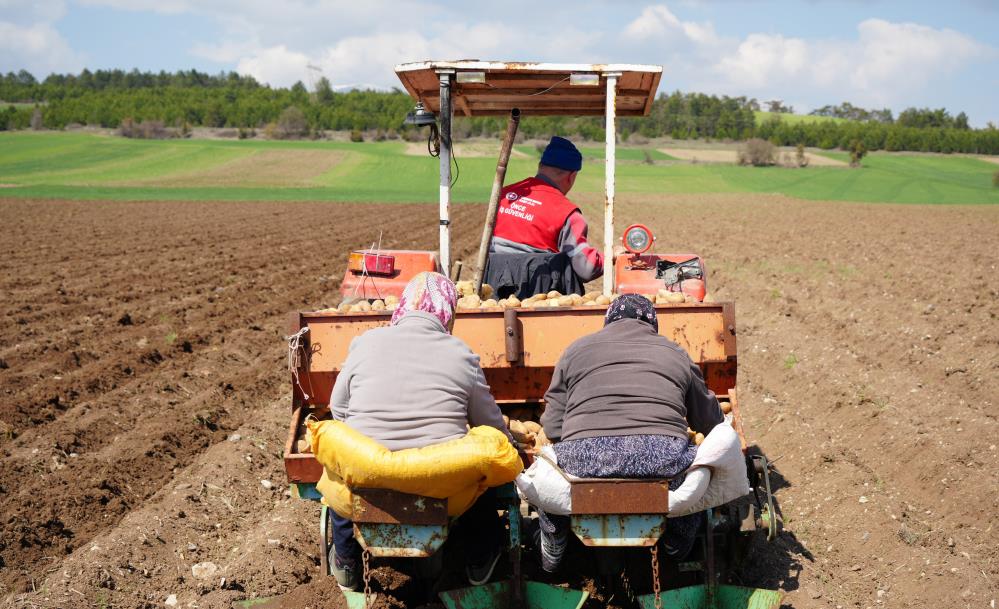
[(690, 492), (721, 453), (544, 486)]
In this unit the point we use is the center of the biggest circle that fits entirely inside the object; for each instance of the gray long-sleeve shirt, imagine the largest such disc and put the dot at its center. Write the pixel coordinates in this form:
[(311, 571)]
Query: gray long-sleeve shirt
[(413, 384), (626, 379)]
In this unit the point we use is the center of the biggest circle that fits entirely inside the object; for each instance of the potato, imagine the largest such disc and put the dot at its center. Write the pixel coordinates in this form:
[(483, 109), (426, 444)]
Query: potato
[(577, 300), (553, 294), (532, 427), (391, 300), (602, 300), (471, 301), (564, 301), (540, 297), (488, 304), (521, 433), (591, 303), (344, 307), (512, 302), (303, 447), (591, 295), (667, 297), (378, 305), (709, 298), (553, 302), (487, 291), (465, 288), (535, 304), (726, 407), (506, 420), (698, 438)]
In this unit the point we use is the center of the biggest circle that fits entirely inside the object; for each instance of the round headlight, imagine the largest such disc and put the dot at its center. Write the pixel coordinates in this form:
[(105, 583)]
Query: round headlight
[(638, 238)]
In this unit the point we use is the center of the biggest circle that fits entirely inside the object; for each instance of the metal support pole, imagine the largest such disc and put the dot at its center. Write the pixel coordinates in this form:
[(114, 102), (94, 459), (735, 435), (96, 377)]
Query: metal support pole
[(501, 164), (610, 138), (445, 158)]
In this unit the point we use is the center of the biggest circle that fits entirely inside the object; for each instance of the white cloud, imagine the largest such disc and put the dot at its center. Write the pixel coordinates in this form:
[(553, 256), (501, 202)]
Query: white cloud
[(163, 7), (886, 64), (38, 48), (275, 65), (229, 51), (658, 23), (882, 63), (371, 58), (763, 59), (908, 55), (29, 13)]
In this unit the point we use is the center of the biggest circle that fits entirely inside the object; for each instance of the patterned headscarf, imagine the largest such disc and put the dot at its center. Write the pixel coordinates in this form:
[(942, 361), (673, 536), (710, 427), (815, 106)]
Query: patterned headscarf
[(431, 293), (633, 306)]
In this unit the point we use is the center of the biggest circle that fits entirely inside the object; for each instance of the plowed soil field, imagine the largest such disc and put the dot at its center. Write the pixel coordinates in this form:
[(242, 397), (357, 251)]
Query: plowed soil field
[(145, 394)]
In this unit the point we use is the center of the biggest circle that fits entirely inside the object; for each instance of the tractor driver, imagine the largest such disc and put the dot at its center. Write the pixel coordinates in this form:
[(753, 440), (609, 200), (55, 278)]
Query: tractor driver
[(535, 217)]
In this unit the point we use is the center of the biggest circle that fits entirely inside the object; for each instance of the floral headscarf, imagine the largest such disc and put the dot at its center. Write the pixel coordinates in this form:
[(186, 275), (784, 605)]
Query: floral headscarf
[(431, 293), (634, 306)]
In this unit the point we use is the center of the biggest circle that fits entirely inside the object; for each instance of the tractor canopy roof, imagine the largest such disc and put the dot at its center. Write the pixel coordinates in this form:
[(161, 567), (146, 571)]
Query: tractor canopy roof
[(492, 88)]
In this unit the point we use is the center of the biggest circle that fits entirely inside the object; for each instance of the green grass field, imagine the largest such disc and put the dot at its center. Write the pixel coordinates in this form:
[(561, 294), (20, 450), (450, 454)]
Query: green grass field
[(793, 119), (85, 166)]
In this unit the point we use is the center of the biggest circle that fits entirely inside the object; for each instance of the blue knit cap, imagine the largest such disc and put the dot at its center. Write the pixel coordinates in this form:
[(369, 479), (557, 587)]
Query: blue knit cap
[(562, 154)]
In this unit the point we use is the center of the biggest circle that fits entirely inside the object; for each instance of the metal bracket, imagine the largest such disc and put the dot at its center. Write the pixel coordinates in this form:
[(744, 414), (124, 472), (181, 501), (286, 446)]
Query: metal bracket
[(511, 332)]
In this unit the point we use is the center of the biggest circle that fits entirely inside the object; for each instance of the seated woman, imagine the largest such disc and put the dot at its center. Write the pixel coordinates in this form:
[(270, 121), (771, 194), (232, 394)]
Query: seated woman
[(618, 407), (410, 385)]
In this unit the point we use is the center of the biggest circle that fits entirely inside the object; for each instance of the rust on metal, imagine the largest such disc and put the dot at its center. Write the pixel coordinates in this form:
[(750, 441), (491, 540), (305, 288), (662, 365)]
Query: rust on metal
[(301, 468), (400, 540), (728, 329), (518, 371), (511, 331), (620, 496), (535, 88), (618, 530), (737, 423), (383, 506)]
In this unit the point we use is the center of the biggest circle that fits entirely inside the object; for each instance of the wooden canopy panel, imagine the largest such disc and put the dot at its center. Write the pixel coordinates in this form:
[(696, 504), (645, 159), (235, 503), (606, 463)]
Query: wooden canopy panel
[(534, 88)]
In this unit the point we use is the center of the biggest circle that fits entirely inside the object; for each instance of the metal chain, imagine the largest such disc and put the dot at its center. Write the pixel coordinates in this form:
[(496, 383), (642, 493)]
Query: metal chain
[(367, 577), (655, 576)]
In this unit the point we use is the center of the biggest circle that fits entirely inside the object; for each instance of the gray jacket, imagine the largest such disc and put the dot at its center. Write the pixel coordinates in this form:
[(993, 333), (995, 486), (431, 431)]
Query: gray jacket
[(412, 385), (625, 380)]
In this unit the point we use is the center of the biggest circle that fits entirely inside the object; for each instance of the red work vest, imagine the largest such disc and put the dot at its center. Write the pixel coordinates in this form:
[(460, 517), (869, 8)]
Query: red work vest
[(533, 212)]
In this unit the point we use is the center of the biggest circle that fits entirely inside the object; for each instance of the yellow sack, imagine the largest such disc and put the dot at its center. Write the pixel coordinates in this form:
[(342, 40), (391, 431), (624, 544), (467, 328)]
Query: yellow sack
[(458, 470)]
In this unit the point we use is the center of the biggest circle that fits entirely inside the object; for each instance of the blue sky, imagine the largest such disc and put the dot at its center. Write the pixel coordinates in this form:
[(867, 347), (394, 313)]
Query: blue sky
[(808, 53)]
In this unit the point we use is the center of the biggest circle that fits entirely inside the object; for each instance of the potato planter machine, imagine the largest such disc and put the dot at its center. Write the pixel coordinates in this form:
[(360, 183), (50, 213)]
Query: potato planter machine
[(518, 349)]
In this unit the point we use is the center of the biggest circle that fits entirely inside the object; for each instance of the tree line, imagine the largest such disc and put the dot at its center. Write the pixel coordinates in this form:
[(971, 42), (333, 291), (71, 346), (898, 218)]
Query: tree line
[(184, 99)]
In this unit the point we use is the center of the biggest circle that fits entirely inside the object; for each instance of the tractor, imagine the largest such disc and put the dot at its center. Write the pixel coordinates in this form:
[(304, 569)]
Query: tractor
[(518, 349)]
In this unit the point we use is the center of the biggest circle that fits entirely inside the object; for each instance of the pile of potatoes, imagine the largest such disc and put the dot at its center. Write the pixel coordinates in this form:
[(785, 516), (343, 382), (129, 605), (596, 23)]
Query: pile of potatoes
[(525, 429), (468, 299), (697, 437)]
